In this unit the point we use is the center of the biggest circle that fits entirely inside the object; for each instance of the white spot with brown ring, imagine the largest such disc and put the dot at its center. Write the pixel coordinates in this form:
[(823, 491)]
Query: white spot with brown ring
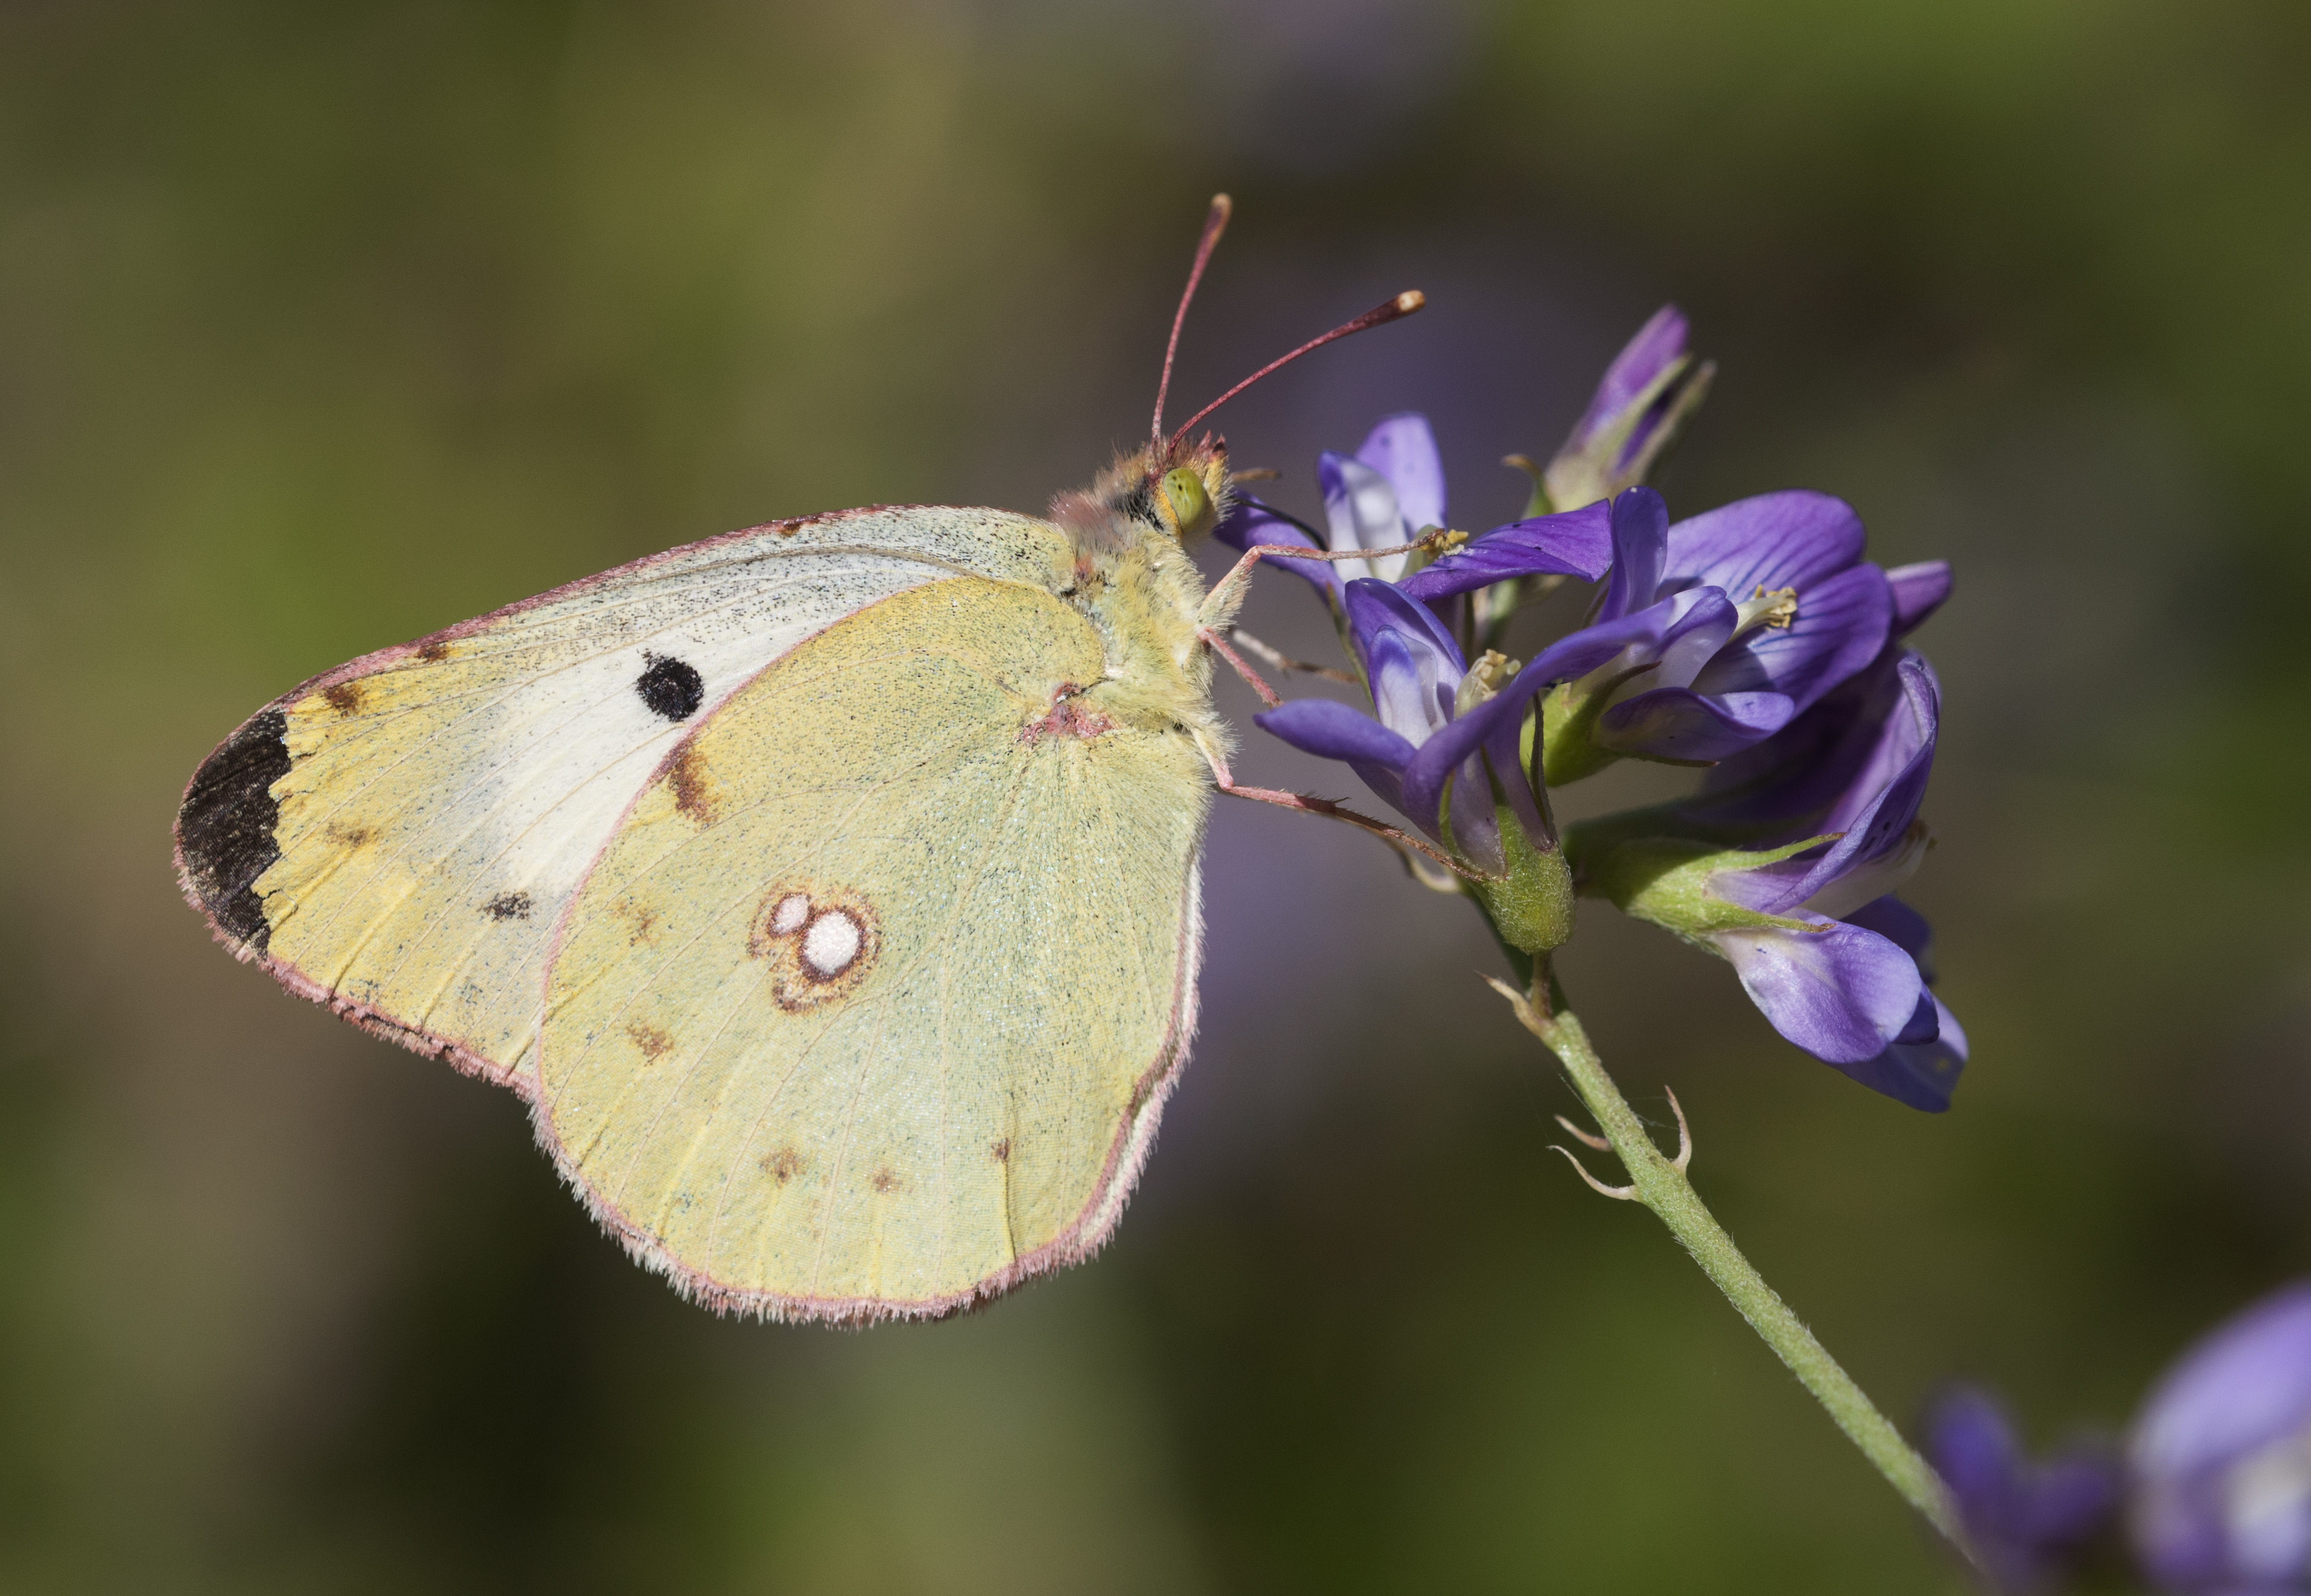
[(789, 914), (819, 939), (832, 944)]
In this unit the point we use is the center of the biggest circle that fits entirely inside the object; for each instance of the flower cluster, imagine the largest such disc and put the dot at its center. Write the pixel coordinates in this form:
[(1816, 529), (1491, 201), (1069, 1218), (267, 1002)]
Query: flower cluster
[(1753, 640), (2213, 1484)]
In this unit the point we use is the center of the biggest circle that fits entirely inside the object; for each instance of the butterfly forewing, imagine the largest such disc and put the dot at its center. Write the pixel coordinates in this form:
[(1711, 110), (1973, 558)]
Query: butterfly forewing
[(399, 837)]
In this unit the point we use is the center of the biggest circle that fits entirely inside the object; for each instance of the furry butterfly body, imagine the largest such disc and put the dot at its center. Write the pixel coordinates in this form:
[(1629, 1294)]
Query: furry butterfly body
[(829, 888)]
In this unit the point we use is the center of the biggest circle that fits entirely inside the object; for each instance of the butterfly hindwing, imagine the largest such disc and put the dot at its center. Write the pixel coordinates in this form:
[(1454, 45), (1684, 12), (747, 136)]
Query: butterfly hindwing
[(399, 837), (871, 1002)]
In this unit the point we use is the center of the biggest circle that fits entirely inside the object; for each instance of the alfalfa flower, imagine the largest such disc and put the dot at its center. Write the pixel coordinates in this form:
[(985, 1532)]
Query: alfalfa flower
[(1795, 610), (1836, 964), (2221, 1458), (1646, 396)]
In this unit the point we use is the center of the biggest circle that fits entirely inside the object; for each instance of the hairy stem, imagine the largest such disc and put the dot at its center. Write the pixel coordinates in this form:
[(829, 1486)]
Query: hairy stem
[(1660, 1184)]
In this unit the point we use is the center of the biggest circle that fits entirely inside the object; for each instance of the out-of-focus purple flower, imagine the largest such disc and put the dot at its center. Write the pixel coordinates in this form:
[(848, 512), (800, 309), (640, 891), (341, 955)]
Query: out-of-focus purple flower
[(2220, 1456), (1799, 611), (1647, 392), (2028, 1520), (1826, 813)]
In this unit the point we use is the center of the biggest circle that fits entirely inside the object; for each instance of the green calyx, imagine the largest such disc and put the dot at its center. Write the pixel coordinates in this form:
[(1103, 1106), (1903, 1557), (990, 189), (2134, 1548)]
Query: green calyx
[(1532, 905), (1569, 719), (1665, 881)]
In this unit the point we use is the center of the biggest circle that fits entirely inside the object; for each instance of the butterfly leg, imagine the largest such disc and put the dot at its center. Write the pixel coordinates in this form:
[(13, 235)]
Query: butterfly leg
[(1227, 782), (1218, 644), (1220, 605), (1278, 660)]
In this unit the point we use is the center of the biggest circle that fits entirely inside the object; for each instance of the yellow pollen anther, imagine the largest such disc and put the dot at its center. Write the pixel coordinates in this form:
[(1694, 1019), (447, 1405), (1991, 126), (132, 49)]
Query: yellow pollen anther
[(1775, 609), (1492, 671)]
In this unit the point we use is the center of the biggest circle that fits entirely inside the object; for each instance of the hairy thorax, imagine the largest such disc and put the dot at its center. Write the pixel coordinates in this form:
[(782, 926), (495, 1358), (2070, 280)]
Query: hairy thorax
[(1133, 578)]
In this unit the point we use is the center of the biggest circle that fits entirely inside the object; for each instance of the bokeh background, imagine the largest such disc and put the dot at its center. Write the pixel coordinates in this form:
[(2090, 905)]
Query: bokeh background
[(324, 327)]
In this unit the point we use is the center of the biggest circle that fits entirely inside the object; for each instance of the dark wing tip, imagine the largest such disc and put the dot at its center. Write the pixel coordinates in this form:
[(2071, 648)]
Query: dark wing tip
[(224, 830)]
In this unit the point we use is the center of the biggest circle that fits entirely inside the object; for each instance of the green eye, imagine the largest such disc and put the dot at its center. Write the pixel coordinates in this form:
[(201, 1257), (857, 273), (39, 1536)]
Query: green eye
[(1190, 503)]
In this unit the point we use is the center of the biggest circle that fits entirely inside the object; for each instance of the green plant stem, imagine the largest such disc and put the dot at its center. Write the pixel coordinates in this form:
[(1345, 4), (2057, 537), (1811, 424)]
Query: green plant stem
[(1660, 1184)]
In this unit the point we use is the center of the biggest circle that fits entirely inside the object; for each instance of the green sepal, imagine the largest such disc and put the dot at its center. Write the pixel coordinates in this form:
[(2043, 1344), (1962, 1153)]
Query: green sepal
[(1568, 715), (1532, 905), (1665, 882)]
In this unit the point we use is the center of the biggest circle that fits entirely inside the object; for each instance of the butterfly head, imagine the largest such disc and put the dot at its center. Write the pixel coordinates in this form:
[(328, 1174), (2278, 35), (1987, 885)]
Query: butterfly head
[(1182, 490)]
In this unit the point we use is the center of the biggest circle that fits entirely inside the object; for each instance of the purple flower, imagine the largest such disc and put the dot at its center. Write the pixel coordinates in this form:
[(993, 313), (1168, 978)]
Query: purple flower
[(1828, 814), (1796, 611), (2220, 1456), (1434, 718), (1387, 493), (1648, 391), (2027, 1520), (1575, 543)]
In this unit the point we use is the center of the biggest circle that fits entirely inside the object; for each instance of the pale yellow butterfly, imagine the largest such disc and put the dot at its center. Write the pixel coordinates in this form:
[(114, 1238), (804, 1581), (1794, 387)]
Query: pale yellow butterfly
[(828, 888)]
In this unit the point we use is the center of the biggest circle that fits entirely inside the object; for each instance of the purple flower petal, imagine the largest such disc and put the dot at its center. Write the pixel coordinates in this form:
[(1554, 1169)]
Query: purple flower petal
[(1835, 768), (2216, 1456), (1374, 606), (1840, 626), (1640, 545), (1567, 657), (1875, 812), (1331, 729), (1974, 1448), (1918, 592), (2242, 1387), (1361, 511), (1577, 543), (1841, 993), (1921, 1067), (1403, 449), (1790, 539), (1412, 688), (1252, 522), (1678, 724), (1640, 360), (2024, 1517), (1900, 925)]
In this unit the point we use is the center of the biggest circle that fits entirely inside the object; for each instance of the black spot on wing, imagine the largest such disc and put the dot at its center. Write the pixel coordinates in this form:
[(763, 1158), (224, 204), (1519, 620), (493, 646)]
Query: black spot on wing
[(670, 687), (224, 832), (508, 906)]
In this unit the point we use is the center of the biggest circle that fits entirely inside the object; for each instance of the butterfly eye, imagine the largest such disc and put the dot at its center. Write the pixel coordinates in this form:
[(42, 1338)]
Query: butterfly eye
[(1191, 507)]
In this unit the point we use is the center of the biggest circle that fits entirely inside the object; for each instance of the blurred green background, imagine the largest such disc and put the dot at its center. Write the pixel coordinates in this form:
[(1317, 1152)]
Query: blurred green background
[(324, 327)]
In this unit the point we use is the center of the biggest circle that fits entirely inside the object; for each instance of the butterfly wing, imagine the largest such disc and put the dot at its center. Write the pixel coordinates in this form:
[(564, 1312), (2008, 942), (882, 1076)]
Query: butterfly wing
[(871, 1003), (399, 837)]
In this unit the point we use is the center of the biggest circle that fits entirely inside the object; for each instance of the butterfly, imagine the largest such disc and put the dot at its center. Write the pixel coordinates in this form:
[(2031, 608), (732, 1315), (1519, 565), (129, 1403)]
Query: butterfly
[(829, 888)]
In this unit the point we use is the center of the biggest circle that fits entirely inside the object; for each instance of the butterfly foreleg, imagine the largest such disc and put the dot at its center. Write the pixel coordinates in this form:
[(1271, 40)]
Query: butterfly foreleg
[(1225, 779)]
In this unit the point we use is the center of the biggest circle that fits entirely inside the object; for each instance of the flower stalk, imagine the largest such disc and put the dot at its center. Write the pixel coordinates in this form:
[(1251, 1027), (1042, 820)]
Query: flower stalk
[(1661, 1184)]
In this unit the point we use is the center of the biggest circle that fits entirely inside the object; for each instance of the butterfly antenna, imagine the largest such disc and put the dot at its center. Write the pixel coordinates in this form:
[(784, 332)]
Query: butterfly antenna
[(1215, 224), (1404, 304)]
